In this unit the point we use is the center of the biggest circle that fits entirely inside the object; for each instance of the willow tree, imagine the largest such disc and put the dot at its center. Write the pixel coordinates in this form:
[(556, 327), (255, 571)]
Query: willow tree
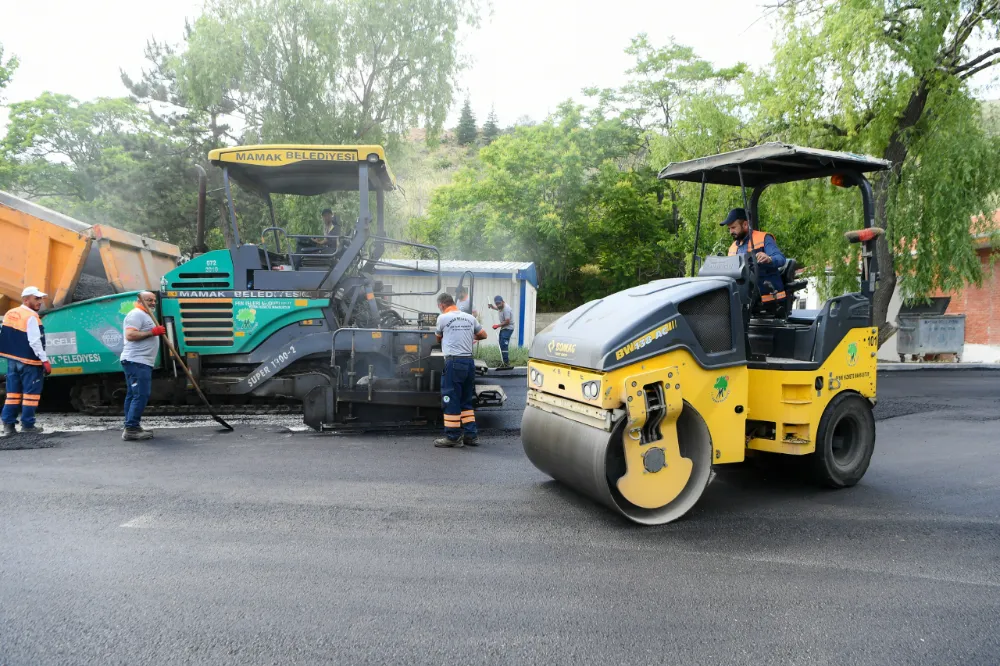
[(892, 78)]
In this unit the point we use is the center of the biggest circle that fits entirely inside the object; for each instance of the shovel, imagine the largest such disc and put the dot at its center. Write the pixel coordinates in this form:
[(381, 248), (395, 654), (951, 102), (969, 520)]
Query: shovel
[(180, 362)]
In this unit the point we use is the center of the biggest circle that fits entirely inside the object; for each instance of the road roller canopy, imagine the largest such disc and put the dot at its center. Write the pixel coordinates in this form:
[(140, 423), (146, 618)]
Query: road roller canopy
[(304, 170), (770, 163)]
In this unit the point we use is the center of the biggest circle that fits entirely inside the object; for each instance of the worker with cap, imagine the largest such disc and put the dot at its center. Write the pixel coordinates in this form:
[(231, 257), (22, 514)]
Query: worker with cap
[(456, 331), (138, 357), (506, 327), (765, 249), (22, 343)]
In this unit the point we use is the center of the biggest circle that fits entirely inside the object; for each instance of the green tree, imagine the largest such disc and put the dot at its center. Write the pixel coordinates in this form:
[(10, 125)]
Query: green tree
[(106, 161), (6, 70), (491, 129), (682, 105), (664, 83), (160, 89), (891, 78), (531, 195), (467, 131), (6, 74), (67, 148), (191, 130), (631, 244), (326, 71)]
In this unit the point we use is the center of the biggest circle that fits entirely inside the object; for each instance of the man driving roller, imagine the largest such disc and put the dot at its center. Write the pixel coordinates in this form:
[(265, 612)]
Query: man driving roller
[(765, 249)]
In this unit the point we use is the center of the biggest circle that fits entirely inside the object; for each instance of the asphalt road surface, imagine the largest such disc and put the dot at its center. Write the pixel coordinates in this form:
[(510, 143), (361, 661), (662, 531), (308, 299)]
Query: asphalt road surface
[(269, 547)]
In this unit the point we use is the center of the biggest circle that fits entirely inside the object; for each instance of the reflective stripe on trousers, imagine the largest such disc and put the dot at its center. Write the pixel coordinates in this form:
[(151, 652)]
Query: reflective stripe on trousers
[(24, 383), (458, 394)]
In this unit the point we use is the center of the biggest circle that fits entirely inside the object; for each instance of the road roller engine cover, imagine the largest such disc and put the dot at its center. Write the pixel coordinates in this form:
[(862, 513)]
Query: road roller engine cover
[(633, 398)]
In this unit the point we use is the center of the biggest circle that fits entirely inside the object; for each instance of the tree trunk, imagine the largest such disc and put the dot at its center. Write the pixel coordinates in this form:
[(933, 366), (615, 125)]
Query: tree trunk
[(896, 152)]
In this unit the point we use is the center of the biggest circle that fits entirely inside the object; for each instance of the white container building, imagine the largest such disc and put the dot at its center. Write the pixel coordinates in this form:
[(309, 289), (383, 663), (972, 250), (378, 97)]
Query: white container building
[(515, 281)]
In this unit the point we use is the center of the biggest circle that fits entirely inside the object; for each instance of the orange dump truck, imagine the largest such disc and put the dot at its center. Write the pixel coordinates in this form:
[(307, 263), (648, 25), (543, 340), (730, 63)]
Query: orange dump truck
[(72, 261)]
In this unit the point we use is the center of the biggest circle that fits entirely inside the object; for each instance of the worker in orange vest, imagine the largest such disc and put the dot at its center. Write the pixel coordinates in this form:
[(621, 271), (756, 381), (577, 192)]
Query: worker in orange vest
[(765, 248), (22, 343)]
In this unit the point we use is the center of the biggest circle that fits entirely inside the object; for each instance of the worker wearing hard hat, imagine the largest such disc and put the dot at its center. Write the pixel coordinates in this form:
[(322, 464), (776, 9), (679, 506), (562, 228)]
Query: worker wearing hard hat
[(765, 248), (22, 343)]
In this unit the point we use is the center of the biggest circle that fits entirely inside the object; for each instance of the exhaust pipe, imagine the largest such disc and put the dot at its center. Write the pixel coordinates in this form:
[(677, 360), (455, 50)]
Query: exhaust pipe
[(199, 234)]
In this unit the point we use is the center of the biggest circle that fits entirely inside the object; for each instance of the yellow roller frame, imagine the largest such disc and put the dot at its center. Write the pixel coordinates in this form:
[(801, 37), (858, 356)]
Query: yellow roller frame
[(639, 485)]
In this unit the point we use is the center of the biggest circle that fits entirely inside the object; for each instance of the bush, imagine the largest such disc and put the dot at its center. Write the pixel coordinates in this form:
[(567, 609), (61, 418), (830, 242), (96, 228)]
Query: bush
[(491, 354)]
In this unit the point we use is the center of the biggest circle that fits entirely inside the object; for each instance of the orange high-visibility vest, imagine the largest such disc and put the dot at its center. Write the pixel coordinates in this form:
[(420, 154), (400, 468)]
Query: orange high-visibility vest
[(14, 335), (757, 243)]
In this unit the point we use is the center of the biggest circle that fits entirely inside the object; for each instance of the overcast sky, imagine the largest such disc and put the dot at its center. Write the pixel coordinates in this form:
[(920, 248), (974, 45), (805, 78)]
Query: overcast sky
[(529, 56)]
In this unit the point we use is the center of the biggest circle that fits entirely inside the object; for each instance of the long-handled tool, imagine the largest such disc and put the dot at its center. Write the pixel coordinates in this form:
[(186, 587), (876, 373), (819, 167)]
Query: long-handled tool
[(180, 362)]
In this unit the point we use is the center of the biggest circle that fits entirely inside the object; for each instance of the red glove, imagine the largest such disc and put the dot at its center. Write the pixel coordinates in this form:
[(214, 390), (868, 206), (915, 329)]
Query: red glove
[(159, 330), (496, 326), (48, 367)]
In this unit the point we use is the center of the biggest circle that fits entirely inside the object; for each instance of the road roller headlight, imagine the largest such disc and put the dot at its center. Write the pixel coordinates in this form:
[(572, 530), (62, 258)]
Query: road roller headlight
[(536, 377), (591, 390)]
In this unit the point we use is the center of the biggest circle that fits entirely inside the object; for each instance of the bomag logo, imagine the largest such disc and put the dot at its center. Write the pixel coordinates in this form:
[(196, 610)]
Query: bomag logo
[(561, 349), (646, 339)]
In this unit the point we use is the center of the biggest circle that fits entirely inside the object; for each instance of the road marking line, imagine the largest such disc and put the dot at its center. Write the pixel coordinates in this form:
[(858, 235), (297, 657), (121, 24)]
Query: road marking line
[(145, 521)]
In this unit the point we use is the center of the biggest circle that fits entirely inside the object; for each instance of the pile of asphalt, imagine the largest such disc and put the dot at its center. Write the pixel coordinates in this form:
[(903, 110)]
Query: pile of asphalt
[(90, 286), (42, 440)]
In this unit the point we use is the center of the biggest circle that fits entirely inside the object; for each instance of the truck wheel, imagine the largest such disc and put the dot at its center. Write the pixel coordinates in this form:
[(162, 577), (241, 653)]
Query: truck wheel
[(845, 441)]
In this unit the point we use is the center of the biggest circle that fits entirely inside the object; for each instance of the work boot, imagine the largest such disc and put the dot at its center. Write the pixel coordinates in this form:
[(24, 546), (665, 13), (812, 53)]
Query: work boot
[(470, 440), (445, 443), (31, 430), (8, 430), (136, 435)]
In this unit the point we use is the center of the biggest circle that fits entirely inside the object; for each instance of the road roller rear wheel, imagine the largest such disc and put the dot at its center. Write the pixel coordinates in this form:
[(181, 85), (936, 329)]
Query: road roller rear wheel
[(592, 461), (845, 441)]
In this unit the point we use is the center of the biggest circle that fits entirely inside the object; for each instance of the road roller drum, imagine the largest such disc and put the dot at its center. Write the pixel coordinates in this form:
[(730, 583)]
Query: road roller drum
[(593, 462)]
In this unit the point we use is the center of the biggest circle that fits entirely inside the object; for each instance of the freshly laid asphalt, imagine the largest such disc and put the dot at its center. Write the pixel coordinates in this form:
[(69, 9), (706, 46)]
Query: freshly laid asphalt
[(263, 546)]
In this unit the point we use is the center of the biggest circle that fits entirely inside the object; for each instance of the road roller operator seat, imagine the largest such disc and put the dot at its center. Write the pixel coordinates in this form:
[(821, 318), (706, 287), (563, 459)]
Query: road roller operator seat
[(797, 342)]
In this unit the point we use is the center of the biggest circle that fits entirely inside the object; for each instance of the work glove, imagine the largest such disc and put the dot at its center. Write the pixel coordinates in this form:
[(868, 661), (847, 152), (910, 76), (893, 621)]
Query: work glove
[(496, 326), (159, 330), (48, 367)]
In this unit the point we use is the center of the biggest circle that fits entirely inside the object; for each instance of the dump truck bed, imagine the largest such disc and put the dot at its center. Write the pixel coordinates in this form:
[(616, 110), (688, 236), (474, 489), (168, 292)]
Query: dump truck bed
[(55, 253)]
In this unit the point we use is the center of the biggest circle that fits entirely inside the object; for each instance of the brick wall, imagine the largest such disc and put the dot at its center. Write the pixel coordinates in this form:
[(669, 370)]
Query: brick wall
[(981, 305)]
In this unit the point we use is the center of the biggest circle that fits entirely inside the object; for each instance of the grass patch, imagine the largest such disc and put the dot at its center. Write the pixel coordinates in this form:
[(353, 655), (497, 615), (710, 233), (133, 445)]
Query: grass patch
[(491, 354)]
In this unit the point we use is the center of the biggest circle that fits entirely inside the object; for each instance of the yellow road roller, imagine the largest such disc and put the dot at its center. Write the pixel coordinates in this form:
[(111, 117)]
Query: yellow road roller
[(634, 397)]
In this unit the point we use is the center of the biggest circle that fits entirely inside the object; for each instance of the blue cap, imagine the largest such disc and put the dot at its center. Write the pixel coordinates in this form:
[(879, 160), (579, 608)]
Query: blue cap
[(734, 214), (498, 299)]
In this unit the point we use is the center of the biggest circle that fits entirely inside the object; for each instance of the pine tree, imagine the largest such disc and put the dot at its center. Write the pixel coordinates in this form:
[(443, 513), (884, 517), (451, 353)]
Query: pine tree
[(467, 125), (491, 130)]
